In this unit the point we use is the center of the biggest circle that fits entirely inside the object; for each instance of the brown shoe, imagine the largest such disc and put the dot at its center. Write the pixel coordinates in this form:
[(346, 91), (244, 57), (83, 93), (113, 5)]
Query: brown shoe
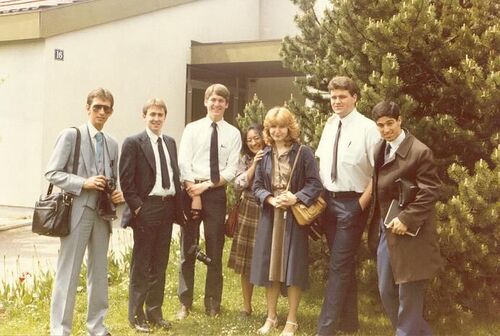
[(183, 312)]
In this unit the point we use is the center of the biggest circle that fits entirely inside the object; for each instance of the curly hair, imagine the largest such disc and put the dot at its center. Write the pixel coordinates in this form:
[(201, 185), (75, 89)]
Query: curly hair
[(281, 116)]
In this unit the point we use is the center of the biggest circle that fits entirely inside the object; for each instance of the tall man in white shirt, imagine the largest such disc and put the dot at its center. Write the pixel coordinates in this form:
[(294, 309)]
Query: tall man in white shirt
[(149, 177), (208, 159), (346, 163)]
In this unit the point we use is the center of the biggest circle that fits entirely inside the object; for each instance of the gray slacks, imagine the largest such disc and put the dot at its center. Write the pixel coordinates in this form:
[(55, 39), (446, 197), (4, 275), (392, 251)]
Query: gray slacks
[(91, 233)]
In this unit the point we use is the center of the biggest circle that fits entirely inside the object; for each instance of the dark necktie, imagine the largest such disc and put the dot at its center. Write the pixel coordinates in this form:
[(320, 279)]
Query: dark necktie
[(214, 155), (335, 150), (99, 152), (165, 179), (387, 152)]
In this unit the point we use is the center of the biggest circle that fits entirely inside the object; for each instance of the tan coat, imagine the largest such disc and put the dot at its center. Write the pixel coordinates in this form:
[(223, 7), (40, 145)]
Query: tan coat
[(411, 258)]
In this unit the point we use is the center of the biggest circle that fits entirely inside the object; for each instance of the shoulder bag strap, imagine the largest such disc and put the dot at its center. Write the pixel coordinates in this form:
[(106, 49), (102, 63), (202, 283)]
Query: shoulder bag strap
[(76, 158), (293, 168)]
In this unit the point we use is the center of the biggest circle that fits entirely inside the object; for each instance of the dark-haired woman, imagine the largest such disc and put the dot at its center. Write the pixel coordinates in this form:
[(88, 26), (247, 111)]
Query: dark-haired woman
[(240, 257)]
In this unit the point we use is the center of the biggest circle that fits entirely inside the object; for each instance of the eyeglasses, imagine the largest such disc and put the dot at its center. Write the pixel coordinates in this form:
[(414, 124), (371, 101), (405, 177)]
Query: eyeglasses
[(97, 107)]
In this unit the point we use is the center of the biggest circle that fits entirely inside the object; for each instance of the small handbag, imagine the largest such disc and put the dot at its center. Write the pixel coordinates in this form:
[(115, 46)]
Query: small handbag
[(51, 216), (232, 219), (305, 215)]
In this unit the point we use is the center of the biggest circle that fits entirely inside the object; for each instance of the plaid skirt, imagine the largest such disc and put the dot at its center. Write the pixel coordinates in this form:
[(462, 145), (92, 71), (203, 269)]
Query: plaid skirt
[(240, 258)]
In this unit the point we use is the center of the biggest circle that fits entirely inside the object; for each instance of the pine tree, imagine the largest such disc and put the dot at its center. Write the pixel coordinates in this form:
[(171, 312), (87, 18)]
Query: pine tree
[(254, 112), (438, 59), (468, 235)]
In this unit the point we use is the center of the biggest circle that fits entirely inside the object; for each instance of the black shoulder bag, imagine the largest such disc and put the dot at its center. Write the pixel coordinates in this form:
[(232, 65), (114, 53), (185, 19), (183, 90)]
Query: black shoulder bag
[(51, 216)]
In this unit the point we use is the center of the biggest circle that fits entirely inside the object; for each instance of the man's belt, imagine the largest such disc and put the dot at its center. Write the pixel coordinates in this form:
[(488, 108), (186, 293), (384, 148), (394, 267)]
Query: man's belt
[(160, 198), (343, 194), (196, 181)]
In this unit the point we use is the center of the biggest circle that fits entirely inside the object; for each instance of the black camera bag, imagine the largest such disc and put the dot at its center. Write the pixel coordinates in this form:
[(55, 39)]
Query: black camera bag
[(51, 216)]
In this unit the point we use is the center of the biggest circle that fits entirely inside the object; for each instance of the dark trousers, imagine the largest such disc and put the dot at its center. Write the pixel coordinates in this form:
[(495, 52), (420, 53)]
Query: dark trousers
[(152, 235), (344, 226), (403, 303), (213, 216)]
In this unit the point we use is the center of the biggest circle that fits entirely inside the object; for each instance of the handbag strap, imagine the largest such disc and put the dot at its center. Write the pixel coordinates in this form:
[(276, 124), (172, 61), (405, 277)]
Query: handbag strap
[(76, 158), (293, 168)]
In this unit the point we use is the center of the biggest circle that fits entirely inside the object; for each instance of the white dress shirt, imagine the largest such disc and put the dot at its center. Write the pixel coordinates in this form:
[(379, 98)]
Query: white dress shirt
[(194, 150), (358, 137), (395, 143), (93, 131), (158, 189)]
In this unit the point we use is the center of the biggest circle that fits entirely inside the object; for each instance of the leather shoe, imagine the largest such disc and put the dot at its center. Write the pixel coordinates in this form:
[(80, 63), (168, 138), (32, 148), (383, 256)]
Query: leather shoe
[(140, 327), (212, 312), (183, 312), (163, 324), (212, 309)]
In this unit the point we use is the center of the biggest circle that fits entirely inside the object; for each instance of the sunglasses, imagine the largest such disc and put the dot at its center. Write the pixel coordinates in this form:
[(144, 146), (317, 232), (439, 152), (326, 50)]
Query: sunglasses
[(97, 107)]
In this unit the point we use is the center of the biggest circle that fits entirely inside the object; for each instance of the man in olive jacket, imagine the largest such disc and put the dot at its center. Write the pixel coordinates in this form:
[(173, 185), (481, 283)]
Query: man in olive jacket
[(407, 247)]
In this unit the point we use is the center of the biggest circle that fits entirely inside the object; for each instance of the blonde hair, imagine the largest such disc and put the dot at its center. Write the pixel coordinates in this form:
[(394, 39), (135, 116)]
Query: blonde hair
[(281, 116)]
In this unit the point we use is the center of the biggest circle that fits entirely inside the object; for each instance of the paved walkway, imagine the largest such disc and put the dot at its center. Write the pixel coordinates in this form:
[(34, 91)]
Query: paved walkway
[(23, 251)]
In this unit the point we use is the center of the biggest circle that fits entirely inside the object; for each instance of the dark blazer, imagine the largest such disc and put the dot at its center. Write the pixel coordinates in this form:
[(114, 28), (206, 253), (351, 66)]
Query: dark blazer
[(138, 174), (411, 258), (306, 185)]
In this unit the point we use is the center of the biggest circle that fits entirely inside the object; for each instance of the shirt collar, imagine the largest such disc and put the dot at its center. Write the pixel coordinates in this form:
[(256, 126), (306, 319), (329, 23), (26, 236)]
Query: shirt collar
[(396, 142), (349, 118), (92, 130), (210, 121), (152, 136)]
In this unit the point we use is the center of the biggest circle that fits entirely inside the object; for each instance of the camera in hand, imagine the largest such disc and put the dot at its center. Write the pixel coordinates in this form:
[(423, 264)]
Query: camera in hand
[(199, 254), (105, 207)]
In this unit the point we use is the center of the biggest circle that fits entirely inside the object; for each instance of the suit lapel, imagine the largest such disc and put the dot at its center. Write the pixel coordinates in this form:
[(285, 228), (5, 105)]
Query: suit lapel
[(87, 152), (405, 146), (379, 154), (148, 150)]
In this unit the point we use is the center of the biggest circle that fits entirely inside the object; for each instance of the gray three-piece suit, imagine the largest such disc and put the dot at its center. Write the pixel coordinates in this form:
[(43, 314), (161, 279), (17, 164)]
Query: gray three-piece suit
[(88, 231)]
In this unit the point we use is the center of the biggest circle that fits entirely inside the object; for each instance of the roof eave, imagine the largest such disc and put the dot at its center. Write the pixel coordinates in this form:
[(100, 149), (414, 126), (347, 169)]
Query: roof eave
[(59, 20)]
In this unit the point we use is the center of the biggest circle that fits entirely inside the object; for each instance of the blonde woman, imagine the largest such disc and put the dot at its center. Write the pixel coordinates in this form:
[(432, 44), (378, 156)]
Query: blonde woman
[(280, 258)]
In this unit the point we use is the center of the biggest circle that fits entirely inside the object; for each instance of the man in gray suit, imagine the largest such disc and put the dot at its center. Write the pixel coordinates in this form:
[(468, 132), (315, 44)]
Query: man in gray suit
[(97, 164)]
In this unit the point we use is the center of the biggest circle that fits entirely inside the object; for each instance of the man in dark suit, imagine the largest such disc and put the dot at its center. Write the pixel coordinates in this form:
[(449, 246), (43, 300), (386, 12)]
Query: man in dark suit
[(88, 230), (407, 247), (149, 177)]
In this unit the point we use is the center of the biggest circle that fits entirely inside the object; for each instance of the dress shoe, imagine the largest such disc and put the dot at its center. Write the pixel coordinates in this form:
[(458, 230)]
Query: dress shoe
[(162, 324), (291, 329), (268, 325), (183, 312), (212, 309), (212, 312), (140, 327)]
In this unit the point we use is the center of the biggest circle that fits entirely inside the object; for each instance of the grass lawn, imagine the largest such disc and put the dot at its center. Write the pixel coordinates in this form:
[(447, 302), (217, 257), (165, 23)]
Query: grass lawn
[(32, 318)]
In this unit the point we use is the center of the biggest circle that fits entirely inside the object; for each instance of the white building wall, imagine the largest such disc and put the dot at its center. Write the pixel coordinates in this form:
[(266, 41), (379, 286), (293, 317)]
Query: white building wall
[(21, 114), (136, 59), (276, 19)]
